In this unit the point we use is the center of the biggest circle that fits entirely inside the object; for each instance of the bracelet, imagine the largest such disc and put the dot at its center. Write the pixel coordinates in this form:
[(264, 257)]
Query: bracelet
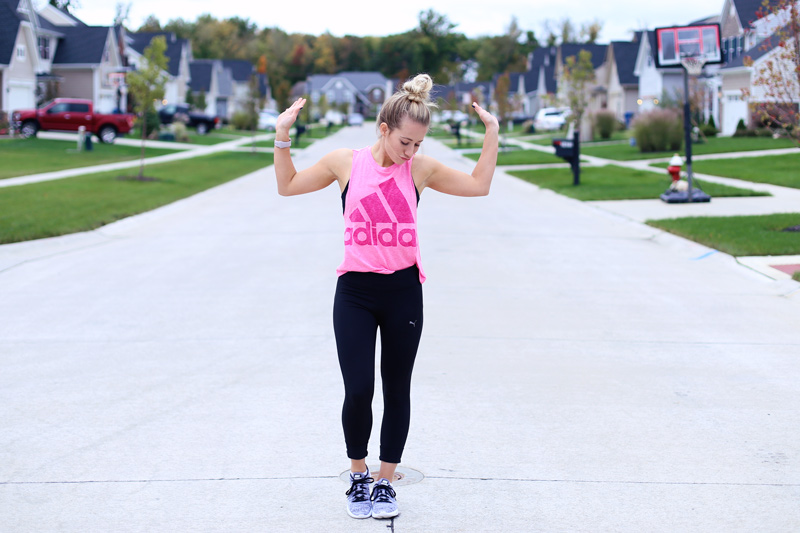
[(283, 144)]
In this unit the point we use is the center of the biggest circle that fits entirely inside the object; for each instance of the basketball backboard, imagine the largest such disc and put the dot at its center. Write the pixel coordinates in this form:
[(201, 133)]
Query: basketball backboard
[(676, 42)]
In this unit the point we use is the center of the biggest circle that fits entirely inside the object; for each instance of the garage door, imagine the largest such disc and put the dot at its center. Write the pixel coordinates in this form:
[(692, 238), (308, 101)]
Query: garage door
[(734, 109), (20, 97)]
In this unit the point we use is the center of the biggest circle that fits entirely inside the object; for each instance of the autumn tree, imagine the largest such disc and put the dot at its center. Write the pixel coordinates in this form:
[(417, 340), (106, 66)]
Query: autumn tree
[(775, 77), (146, 84)]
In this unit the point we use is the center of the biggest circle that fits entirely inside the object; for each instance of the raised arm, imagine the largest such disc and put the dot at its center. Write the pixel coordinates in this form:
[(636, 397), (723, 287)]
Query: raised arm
[(314, 178), (450, 181)]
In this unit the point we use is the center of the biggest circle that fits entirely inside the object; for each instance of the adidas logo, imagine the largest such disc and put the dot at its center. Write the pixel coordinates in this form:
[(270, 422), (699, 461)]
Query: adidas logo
[(375, 226)]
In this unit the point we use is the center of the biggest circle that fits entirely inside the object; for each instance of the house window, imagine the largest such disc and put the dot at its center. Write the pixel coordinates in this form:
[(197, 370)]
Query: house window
[(20, 51), (44, 47)]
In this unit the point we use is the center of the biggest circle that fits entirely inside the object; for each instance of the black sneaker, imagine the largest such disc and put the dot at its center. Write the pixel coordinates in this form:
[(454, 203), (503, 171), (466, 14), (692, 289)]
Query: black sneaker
[(384, 504), (359, 504)]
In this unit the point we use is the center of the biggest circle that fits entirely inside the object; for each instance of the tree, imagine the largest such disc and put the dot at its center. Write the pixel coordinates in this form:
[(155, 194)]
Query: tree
[(501, 97), (502, 53), (146, 84), (65, 5), (577, 74), (151, 24), (775, 78)]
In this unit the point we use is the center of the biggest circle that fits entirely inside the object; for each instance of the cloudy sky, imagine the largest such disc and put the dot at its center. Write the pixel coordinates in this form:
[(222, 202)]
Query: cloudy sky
[(341, 17)]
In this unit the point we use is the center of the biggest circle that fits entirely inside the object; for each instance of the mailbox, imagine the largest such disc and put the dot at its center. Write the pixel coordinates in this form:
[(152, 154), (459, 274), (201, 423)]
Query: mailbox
[(565, 148), (569, 150)]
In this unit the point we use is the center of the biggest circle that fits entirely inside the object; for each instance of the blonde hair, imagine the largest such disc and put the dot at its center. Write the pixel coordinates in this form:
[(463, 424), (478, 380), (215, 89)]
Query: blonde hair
[(412, 101)]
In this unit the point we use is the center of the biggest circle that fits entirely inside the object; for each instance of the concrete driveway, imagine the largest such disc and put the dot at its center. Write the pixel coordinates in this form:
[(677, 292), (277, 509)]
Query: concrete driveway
[(579, 371)]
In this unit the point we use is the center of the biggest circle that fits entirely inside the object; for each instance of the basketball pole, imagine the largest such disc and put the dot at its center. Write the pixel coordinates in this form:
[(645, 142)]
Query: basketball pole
[(687, 130)]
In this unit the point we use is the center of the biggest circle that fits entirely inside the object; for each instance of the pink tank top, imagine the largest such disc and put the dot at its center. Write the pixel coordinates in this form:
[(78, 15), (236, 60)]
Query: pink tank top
[(380, 218)]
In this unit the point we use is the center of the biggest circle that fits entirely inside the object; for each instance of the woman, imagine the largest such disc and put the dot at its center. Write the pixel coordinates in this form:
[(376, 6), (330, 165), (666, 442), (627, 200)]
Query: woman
[(380, 279)]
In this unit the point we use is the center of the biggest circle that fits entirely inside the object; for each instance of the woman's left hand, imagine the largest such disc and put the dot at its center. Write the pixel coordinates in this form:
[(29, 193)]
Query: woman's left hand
[(489, 120)]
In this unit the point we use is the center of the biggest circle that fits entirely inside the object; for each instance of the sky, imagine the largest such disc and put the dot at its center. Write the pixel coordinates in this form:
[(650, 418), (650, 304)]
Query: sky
[(349, 17)]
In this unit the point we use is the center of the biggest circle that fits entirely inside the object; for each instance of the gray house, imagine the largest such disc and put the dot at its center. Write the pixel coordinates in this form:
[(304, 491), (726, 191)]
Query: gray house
[(210, 77), (359, 92)]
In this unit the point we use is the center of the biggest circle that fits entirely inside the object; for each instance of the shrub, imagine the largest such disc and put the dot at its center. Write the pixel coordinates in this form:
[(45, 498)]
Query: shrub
[(708, 129), (659, 130), (605, 123), (179, 129), (153, 122), (244, 121)]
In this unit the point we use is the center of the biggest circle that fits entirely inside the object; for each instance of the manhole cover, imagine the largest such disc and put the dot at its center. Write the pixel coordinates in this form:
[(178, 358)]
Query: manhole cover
[(402, 476)]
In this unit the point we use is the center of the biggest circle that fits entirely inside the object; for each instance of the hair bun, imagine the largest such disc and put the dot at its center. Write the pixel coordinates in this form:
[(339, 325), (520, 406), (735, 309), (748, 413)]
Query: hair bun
[(418, 89)]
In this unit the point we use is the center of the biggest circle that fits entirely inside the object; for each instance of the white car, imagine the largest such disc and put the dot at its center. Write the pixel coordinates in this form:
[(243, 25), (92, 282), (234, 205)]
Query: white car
[(355, 119), (550, 118), (334, 117), (267, 120)]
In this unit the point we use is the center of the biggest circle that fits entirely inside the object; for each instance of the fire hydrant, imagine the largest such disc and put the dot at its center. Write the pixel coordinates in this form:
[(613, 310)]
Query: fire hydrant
[(674, 169)]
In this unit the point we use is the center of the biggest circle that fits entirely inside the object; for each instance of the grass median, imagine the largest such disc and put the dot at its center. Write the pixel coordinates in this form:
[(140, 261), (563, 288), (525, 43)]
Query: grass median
[(83, 203), (774, 169), (22, 157), (616, 183), (740, 235), (715, 145)]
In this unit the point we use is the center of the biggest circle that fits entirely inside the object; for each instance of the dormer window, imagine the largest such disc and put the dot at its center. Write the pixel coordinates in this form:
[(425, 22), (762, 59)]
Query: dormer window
[(44, 47), (21, 52)]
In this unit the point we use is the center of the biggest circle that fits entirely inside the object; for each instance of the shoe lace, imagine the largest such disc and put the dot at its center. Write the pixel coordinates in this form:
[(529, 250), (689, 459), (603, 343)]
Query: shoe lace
[(383, 493), (360, 489)]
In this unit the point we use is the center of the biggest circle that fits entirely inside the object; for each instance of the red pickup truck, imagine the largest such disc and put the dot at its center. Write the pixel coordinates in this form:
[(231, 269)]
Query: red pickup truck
[(69, 114)]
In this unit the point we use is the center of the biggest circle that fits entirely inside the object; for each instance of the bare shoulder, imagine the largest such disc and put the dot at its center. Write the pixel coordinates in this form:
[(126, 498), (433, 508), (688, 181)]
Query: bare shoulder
[(339, 162), (422, 168)]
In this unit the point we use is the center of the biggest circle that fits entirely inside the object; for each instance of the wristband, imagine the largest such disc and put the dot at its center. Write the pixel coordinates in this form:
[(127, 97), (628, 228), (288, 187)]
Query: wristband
[(283, 144)]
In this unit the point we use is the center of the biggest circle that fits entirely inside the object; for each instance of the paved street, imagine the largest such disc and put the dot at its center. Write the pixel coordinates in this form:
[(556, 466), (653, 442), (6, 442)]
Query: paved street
[(579, 371)]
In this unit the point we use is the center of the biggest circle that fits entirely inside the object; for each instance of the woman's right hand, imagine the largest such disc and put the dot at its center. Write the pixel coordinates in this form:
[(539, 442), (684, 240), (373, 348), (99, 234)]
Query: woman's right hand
[(287, 118)]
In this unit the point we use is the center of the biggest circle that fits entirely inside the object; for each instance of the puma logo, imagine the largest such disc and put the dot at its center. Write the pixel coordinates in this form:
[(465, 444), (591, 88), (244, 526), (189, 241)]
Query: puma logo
[(414, 323)]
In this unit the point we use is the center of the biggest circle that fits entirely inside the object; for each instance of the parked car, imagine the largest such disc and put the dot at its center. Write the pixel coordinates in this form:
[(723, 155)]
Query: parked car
[(267, 120), (355, 119), (448, 115), (551, 118), (199, 121), (334, 117), (69, 114)]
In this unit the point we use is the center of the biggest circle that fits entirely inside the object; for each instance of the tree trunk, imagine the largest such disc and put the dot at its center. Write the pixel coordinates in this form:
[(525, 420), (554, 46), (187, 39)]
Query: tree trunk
[(144, 133)]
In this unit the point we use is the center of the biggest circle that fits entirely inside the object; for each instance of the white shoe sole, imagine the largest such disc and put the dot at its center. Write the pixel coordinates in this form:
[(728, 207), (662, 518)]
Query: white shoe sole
[(358, 517), (391, 514)]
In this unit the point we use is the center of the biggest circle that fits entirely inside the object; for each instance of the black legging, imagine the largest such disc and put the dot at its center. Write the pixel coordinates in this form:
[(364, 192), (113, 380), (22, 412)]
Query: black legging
[(364, 302)]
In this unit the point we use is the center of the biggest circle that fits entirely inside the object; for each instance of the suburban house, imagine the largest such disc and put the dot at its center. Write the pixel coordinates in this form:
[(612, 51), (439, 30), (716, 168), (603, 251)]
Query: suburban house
[(538, 84), (179, 56), (52, 54), (241, 73), (597, 93), (460, 95), (654, 83), (210, 78), (358, 92), (19, 56), (86, 62), (622, 85)]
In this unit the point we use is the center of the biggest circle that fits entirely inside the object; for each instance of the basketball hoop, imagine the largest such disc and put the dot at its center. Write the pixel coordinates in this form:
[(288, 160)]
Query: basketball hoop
[(693, 64)]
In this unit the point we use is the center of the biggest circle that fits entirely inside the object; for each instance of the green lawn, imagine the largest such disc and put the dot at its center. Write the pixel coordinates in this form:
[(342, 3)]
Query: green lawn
[(615, 183), (739, 236), (625, 152), (775, 169), (522, 157), (21, 157), (69, 205)]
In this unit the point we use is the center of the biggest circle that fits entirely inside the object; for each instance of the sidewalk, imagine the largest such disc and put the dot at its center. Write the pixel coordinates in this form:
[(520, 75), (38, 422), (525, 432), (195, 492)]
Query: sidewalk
[(579, 371)]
